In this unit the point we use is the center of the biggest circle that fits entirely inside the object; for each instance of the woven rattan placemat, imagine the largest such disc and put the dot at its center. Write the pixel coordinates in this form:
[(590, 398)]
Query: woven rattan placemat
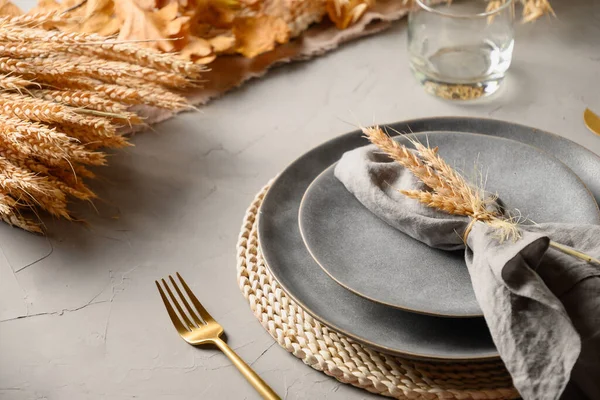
[(342, 358)]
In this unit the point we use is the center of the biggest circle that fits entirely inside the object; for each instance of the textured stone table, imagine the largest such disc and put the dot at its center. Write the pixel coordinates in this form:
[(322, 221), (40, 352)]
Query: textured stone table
[(80, 315)]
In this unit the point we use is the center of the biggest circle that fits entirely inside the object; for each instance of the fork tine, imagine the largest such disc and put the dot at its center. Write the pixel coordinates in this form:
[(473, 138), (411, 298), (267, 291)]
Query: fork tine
[(186, 320), (185, 303), (174, 318), (201, 310)]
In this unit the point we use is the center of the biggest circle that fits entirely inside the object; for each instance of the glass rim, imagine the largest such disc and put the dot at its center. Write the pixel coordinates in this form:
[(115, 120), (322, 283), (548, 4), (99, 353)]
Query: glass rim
[(478, 15)]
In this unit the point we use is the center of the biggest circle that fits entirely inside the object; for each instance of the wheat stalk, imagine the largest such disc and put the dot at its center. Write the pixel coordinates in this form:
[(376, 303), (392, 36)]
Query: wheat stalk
[(96, 45), (449, 204), (127, 91), (107, 71), (92, 139), (130, 92), (408, 159), (30, 108), (80, 98), (450, 191), (21, 183), (25, 50), (63, 177), (462, 198), (9, 213), (44, 143), (16, 83), (63, 97), (33, 19)]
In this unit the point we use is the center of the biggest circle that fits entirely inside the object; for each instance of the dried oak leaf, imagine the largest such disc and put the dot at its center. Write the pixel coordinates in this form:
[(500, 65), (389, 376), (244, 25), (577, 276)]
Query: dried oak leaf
[(49, 5), (92, 16), (98, 17), (217, 14), (198, 50), (257, 35), (149, 5), (222, 43), (157, 29), (9, 9), (346, 12)]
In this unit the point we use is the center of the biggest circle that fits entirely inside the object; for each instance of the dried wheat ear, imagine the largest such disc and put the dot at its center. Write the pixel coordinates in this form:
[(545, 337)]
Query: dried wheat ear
[(64, 97)]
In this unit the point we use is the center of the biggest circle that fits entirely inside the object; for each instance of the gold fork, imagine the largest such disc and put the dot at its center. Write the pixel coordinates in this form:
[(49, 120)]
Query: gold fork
[(198, 327)]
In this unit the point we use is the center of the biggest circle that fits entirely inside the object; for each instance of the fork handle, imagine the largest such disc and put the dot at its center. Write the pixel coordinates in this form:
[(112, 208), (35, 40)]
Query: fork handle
[(261, 387)]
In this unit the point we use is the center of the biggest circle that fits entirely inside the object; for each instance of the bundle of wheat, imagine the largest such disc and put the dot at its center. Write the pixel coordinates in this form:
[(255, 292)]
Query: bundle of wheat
[(63, 97)]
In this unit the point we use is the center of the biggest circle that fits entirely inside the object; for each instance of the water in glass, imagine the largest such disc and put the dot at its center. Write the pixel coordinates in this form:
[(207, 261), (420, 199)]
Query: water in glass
[(460, 50)]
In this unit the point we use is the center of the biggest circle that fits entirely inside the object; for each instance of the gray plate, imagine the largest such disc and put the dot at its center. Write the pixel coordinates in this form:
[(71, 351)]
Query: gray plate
[(376, 261), (382, 327)]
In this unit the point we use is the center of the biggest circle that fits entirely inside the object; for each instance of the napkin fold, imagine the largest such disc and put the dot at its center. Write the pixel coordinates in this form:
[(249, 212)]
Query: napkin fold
[(542, 307)]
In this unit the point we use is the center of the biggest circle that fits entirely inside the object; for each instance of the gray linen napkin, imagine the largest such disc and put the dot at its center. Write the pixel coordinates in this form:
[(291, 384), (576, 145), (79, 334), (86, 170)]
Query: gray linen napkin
[(542, 307)]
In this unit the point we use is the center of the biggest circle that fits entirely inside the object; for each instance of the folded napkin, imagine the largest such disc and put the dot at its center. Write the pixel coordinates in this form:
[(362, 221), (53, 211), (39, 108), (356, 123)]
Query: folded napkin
[(542, 307)]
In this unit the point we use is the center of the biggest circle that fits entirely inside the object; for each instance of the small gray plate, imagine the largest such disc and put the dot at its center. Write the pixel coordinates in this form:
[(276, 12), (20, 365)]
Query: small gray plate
[(385, 328), (376, 261)]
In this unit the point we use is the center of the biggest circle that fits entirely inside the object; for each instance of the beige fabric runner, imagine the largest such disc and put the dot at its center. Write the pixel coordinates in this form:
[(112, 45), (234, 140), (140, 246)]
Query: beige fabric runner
[(228, 72)]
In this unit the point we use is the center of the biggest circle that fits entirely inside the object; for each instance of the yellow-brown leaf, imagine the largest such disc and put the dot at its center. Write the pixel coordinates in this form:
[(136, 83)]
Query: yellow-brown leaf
[(156, 28), (257, 35), (196, 48), (222, 43), (9, 9)]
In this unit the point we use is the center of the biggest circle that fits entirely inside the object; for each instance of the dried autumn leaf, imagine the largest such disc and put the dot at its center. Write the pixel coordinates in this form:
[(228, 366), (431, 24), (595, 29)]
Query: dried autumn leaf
[(148, 5), (99, 18), (48, 5), (257, 35), (156, 28), (102, 24), (213, 17), (222, 43), (89, 16), (208, 15), (97, 6), (346, 12), (8, 8), (196, 48)]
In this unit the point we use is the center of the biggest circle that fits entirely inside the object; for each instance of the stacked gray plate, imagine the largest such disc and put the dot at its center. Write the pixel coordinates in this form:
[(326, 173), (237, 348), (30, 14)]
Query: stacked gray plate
[(362, 278)]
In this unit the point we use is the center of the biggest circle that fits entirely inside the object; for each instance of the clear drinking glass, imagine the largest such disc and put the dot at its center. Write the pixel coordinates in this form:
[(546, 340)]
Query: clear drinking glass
[(461, 50)]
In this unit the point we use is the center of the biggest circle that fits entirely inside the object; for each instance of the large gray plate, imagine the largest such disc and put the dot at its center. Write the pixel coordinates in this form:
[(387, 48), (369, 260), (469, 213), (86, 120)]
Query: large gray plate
[(374, 260), (385, 328)]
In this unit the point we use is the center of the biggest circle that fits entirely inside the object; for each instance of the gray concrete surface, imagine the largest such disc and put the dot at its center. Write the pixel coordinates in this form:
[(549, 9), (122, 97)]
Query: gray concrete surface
[(80, 317)]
